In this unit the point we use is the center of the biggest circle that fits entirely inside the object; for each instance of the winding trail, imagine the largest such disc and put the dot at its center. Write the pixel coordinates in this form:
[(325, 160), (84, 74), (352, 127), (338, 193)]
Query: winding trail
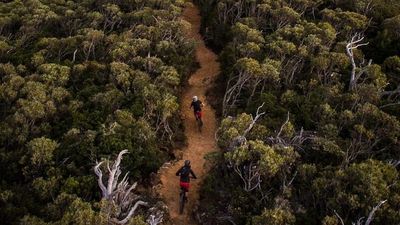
[(199, 144)]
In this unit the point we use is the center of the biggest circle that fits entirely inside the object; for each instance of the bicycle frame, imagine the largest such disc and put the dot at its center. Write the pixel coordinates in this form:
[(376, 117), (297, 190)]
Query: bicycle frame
[(182, 199), (199, 120)]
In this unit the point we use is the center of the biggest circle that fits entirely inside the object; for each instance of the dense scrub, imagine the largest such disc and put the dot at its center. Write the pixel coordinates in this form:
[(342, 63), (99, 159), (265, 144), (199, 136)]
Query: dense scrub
[(324, 147), (82, 80)]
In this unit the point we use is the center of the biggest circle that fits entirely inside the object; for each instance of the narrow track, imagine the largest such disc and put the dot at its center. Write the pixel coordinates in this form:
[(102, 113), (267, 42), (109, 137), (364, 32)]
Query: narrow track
[(199, 144)]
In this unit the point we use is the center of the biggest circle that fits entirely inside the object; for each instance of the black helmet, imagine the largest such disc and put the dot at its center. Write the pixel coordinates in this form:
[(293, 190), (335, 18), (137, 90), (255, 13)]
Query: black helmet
[(187, 162)]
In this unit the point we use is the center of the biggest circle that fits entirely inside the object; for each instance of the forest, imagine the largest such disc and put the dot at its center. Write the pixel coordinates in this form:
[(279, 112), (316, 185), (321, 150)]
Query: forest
[(307, 102), (81, 81), (310, 114)]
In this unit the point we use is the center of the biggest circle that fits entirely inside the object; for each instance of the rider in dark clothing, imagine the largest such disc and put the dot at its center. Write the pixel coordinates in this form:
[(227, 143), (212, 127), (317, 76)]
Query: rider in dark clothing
[(184, 172), (196, 104)]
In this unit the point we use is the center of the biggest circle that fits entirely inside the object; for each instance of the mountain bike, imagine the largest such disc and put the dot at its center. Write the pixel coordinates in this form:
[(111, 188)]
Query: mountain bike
[(182, 199), (199, 121)]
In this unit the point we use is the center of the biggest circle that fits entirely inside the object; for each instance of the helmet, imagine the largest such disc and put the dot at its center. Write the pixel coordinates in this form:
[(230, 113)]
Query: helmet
[(187, 162), (195, 98)]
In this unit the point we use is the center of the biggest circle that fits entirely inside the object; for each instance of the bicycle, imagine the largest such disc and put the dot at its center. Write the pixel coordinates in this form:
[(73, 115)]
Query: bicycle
[(182, 199), (199, 121)]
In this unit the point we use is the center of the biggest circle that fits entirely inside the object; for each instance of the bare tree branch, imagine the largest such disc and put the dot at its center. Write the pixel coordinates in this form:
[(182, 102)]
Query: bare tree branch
[(296, 141), (155, 219), (283, 125), (98, 172), (131, 212), (390, 104), (339, 217), (361, 219), (291, 181), (118, 194), (73, 58), (371, 214), (394, 163), (391, 93), (258, 115), (241, 139), (354, 43), (250, 175), (112, 178)]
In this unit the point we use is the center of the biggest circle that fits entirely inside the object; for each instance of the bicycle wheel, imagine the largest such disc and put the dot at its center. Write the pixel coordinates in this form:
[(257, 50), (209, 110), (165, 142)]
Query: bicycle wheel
[(199, 124), (181, 201)]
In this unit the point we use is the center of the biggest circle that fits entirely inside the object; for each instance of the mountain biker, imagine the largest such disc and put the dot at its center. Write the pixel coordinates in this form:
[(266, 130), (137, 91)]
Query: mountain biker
[(184, 172), (197, 104)]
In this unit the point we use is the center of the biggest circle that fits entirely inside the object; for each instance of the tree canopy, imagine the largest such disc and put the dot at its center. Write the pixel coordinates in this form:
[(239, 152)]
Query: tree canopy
[(324, 146), (80, 81)]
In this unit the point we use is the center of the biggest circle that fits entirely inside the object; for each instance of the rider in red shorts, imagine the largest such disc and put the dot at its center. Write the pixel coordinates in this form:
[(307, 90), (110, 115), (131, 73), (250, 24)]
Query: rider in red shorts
[(185, 172)]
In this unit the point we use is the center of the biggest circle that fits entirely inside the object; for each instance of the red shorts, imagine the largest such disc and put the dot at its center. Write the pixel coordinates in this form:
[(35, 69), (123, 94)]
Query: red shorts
[(185, 185), (198, 114)]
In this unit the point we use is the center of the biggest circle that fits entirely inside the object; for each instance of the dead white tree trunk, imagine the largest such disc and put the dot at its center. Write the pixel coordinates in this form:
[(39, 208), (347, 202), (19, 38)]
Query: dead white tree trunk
[(249, 172), (354, 43), (73, 58), (233, 91), (283, 125), (339, 217), (155, 219), (372, 213), (394, 162), (392, 95), (360, 221), (296, 141), (118, 193), (250, 175), (156, 214), (254, 120), (241, 139)]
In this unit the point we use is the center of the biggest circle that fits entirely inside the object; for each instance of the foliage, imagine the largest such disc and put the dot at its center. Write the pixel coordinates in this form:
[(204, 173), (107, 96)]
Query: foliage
[(332, 68), (79, 81)]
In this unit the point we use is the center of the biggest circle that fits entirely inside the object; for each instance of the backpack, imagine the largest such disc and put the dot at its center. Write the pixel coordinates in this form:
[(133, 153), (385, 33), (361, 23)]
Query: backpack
[(185, 172)]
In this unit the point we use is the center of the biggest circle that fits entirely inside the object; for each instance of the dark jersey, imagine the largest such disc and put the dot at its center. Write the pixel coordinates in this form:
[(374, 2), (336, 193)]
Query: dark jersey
[(185, 172), (196, 105)]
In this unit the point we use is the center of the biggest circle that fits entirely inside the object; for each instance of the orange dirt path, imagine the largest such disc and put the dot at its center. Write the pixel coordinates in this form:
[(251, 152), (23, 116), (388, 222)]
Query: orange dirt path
[(199, 144)]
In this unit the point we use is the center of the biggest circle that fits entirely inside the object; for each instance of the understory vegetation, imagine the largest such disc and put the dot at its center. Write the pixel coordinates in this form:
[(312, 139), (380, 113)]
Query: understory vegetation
[(311, 125), (310, 110), (80, 82)]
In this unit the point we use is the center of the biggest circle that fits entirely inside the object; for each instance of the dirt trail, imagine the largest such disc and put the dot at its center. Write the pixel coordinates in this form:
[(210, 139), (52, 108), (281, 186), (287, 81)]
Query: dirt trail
[(199, 144)]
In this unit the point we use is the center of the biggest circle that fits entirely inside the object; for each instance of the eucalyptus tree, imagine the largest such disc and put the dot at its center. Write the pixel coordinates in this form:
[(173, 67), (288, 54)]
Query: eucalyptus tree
[(83, 80), (333, 66)]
